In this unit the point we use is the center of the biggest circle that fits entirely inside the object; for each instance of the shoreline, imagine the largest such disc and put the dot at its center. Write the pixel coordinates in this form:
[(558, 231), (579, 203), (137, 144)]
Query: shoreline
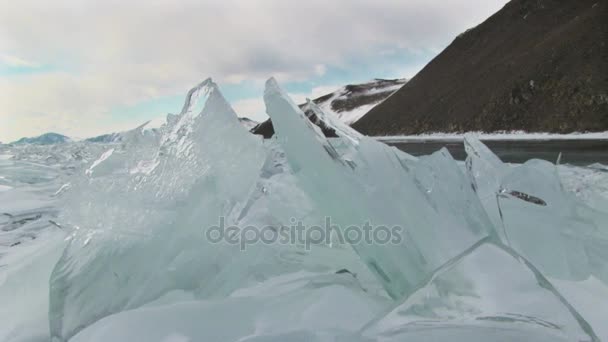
[(516, 135)]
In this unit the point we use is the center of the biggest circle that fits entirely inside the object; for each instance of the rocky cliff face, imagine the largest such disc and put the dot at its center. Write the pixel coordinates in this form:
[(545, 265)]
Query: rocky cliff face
[(536, 65)]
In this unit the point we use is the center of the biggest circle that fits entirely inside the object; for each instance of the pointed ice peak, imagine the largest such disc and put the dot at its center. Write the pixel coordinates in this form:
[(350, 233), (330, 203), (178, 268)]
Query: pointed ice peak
[(272, 86), (476, 148), (141, 127), (196, 99), (278, 103), (328, 120), (134, 135), (205, 106), (155, 123), (194, 96)]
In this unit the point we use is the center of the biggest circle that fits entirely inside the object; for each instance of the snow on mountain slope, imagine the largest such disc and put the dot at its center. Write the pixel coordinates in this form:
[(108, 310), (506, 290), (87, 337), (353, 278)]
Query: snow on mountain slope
[(349, 103)]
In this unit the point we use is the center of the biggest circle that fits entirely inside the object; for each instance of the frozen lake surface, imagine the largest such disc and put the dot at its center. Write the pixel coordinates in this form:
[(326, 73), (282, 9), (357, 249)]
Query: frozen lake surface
[(573, 151)]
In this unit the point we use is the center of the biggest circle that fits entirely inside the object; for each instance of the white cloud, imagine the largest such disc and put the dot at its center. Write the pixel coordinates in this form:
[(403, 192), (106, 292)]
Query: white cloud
[(409, 71), (315, 92), (116, 53), (15, 62), (253, 108), (68, 104), (320, 69)]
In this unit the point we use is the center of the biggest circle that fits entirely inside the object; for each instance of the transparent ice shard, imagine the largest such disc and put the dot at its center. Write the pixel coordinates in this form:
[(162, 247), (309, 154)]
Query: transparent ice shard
[(278, 203), (378, 187), (485, 171), (330, 121), (138, 148), (588, 183), (561, 235), (139, 235), (138, 255), (142, 235), (486, 293), (586, 297), (558, 233), (180, 126), (295, 307), (24, 287)]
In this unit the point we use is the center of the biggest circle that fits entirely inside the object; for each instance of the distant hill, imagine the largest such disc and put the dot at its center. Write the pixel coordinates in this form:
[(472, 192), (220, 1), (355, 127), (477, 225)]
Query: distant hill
[(536, 65), (44, 139), (348, 103)]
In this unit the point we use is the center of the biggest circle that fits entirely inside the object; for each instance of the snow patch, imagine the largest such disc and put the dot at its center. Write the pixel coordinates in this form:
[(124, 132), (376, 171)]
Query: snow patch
[(513, 135)]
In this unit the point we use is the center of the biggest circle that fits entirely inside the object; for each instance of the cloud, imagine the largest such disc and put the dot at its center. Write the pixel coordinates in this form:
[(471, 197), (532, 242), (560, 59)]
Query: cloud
[(69, 104), (315, 92), (16, 62), (253, 108), (107, 54), (411, 70)]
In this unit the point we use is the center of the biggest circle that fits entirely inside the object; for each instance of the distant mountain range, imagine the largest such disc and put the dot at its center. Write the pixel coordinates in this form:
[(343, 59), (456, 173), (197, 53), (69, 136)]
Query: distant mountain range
[(349, 103), (536, 66), (55, 138), (44, 139)]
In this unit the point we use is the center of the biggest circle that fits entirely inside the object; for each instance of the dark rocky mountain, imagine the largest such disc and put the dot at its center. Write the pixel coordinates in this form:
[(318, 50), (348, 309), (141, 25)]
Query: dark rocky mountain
[(44, 139), (348, 103), (536, 65)]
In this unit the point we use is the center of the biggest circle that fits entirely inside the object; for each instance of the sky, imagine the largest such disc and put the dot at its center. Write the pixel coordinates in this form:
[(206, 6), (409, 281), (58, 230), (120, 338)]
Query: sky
[(89, 67)]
